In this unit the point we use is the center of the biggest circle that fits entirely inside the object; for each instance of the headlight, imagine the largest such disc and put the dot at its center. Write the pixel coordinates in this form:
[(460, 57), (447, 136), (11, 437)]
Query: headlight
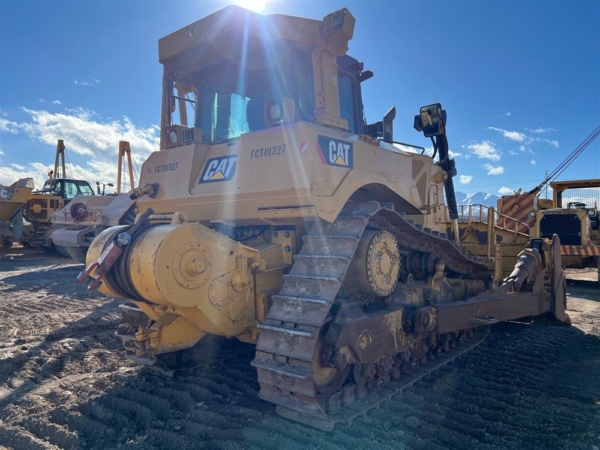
[(173, 136), (531, 214), (275, 112), (592, 212)]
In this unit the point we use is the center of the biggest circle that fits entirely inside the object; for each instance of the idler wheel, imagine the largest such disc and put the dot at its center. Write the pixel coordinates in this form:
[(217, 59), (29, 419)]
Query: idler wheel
[(329, 369), (376, 264)]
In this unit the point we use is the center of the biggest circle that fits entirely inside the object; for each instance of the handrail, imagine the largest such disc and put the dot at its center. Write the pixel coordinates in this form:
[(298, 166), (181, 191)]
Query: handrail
[(481, 218)]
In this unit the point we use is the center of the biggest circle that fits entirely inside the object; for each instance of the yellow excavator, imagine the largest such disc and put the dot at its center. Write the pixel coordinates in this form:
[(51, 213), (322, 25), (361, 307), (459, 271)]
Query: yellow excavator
[(76, 225), (57, 191), (276, 214)]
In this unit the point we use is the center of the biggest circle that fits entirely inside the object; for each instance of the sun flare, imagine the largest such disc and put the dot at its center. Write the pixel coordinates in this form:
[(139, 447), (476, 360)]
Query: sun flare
[(253, 5)]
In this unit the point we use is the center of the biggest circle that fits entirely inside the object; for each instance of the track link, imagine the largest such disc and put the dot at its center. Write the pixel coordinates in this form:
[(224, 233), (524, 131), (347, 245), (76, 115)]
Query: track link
[(292, 327), (353, 401)]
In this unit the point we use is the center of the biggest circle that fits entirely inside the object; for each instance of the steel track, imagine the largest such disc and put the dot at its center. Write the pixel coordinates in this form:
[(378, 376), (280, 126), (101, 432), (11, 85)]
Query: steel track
[(291, 330), (350, 403), (292, 327)]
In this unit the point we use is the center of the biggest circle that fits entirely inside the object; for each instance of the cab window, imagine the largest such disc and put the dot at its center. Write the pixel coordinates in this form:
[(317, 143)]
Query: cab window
[(346, 91), (70, 190), (83, 188)]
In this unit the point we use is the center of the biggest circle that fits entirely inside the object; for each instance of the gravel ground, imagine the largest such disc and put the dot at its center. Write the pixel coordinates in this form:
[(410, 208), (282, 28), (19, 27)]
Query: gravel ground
[(65, 384)]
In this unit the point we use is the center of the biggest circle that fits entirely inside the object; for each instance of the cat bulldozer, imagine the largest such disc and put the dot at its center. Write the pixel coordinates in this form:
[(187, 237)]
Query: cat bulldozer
[(58, 190), (76, 225), (575, 218), (275, 214), (12, 199)]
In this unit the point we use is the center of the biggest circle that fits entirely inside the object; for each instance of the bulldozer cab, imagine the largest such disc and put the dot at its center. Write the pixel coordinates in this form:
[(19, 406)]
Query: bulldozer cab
[(66, 189), (256, 72)]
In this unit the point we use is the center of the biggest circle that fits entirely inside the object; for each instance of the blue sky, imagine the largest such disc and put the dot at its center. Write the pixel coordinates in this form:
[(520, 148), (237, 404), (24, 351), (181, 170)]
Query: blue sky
[(520, 80)]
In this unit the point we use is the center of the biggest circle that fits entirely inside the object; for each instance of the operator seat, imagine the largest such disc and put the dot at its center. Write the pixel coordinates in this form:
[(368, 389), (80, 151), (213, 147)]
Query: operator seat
[(255, 114)]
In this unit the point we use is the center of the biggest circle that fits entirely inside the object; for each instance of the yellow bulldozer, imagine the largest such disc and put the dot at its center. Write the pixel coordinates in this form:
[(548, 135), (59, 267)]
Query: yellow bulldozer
[(76, 225), (575, 218), (275, 214), (58, 190)]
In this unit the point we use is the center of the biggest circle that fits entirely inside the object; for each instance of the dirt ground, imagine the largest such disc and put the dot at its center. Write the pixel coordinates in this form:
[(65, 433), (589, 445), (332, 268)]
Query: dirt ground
[(65, 384)]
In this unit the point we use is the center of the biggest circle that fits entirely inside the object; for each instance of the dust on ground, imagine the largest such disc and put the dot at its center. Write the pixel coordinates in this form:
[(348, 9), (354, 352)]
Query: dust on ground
[(65, 384)]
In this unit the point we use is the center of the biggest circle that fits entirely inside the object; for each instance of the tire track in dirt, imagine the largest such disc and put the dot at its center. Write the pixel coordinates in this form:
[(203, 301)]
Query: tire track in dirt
[(487, 400), (69, 386)]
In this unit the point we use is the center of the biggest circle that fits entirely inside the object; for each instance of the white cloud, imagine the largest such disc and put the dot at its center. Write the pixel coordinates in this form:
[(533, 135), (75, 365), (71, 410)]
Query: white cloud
[(541, 130), (494, 170), (85, 133), (552, 143), (14, 172), (505, 191), (524, 139), (42, 100), (96, 81), (507, 113), (86, 83), (532, 162), (1, 152), (57, 102), (512, 135), (8, 126), (465, 179), (485, 150), (458, 155)]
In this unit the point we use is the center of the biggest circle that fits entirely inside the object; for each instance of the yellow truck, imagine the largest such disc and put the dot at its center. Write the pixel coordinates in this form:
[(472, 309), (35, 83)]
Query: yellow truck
[(12, 199)]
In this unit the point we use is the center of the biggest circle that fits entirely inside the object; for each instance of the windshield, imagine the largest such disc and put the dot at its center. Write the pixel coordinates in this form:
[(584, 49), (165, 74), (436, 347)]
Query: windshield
[(580, 197), (68, 188), (226, 99), (82, 188)]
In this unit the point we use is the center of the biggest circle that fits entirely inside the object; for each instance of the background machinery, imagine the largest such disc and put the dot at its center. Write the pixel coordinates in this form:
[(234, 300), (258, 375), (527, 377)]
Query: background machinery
[(575, 218), (275, 214), (12, 199), (57, 191), (499, 234), (523, 206), (572, 214), (79, 222)]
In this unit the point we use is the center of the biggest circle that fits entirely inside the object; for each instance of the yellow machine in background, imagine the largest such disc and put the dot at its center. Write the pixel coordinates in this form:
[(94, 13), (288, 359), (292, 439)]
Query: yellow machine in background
[(575, 218), (524, 215), (76, 225), (57, 191), (12, 199), (276, 214)]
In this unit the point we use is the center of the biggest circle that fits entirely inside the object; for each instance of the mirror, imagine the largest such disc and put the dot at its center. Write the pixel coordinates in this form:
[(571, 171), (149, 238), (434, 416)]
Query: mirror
[(431, 121), (388, 124)]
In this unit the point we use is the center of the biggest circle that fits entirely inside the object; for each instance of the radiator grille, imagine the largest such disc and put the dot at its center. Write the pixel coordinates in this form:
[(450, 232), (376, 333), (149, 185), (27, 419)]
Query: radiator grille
[(566, 226)]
